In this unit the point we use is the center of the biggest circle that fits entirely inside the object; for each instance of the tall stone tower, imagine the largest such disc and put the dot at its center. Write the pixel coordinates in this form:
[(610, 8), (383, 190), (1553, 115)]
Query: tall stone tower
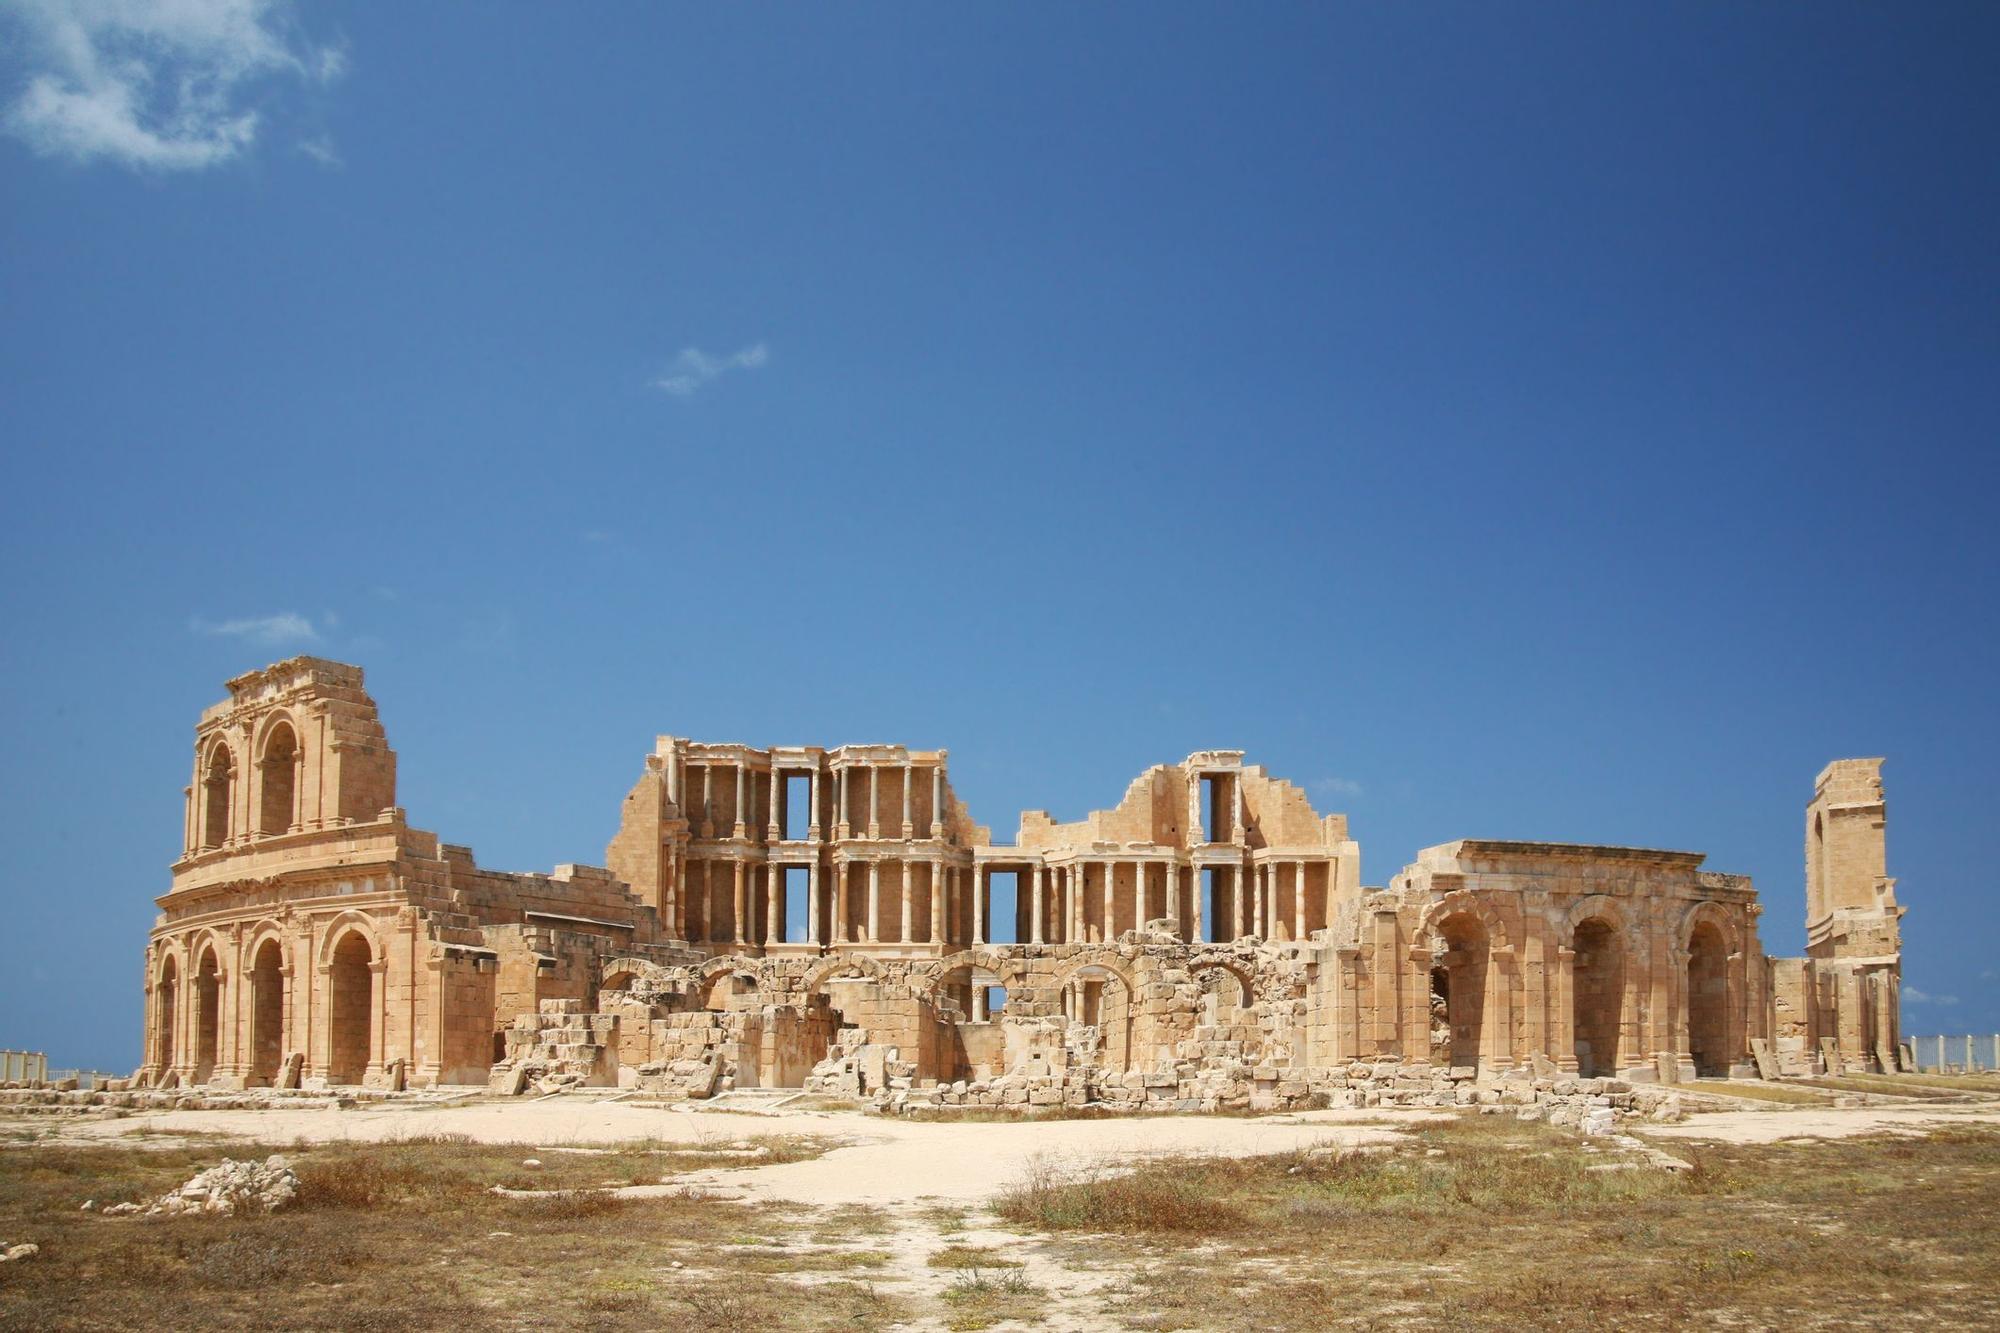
[(1853, 930)]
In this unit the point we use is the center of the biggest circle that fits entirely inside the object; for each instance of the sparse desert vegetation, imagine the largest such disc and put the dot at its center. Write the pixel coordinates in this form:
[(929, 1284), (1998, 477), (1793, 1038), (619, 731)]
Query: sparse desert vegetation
[(1478, 1220)]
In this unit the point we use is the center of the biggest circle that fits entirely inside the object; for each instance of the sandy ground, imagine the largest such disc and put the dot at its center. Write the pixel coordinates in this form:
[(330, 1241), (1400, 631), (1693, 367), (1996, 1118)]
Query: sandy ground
[(908, 1170), (880, 1160), (1814, 1122)]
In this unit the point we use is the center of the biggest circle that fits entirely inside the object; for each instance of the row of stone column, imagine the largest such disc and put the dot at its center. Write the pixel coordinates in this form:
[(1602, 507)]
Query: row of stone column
[(1053, 902), (843, 827)]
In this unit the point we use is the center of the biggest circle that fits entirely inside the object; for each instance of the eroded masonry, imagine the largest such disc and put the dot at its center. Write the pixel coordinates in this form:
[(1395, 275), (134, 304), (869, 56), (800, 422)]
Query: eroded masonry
[(824, 918)]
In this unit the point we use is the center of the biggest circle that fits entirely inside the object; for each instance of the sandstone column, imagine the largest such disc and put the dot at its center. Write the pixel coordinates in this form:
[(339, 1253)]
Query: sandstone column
[(812, 901), (874, 894), (978, 907), (903, 882), (937, 800), (773, 816), (742, 905), (841, 826), (812, 815), (703, 828), (1110, 901), (840, 913), (909, 829), (1041, 889), (774, 904), (741, 829), (937, 901), (1299, 897), (874, 816)]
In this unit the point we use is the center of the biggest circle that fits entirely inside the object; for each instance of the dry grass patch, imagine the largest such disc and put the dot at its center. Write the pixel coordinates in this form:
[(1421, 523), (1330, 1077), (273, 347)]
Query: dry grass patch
[(404, 1235), (1493, 1223), (979, 1298)]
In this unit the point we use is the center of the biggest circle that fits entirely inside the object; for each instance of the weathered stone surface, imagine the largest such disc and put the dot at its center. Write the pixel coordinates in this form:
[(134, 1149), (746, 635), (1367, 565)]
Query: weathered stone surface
[(1204, 944)]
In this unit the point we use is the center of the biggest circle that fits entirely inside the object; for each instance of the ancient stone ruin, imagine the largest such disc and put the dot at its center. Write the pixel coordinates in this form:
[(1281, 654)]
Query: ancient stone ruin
[(800, 917)]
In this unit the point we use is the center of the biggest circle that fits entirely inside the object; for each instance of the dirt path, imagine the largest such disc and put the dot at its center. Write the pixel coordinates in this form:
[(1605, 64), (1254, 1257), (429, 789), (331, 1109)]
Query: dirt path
[(1818, 1122)]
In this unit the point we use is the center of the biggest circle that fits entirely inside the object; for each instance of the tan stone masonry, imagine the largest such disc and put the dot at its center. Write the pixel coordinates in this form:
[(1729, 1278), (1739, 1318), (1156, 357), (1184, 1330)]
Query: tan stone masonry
[(823, 916)]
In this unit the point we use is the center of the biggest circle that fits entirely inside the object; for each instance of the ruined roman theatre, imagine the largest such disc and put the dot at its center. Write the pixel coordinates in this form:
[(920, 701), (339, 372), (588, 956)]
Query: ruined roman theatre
[(823, 918)]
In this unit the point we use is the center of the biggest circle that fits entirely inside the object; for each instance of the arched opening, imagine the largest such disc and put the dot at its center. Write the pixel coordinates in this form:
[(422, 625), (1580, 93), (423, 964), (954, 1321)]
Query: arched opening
[(1226, 998), (1460, 953), (207, 1016), (1440, 1015), (215, 798), (1708, 1001), (278, 773), (166, 1005), (1096, 997), (350, 1017), (1597, 998), (267, 1013)]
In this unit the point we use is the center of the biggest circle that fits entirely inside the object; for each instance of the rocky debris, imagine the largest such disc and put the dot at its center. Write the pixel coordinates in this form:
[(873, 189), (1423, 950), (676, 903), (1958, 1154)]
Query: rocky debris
[(226, 1189), (13, 1253)]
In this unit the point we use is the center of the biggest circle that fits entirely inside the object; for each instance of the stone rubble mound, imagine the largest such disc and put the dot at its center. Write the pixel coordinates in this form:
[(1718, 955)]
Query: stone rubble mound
[(229, 1188), (10, 1253)]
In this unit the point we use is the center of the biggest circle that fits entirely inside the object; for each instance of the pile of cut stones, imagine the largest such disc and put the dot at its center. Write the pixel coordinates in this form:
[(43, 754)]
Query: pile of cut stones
[(227, 1189)]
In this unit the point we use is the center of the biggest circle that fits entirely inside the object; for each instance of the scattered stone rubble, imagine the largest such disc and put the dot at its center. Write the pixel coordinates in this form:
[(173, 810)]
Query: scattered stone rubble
[(226, 1189)]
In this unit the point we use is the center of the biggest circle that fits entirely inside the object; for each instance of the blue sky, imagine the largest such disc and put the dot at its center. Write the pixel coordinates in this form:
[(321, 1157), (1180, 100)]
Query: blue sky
[(1542, 422)]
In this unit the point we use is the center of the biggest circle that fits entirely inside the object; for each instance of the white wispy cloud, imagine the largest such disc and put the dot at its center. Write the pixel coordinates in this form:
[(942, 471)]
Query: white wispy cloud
[(158, 84), (1915, 996), (694, 367), (285, 627), (1336, 786)]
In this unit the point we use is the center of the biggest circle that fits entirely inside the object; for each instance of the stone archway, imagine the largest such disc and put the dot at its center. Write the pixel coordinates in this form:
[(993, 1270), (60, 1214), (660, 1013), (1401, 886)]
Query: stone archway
[(166, 1015), (1461, 961), (207, 1015), (350, 1009), (1100, 997), (1226, 992), (267, 1012), (1708, 1000), (1598, 997)]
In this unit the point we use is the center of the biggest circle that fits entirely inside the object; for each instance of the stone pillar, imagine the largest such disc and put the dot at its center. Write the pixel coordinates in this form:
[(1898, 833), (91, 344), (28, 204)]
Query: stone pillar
[(774, 904), (1110, 901), (704, 827), (874, 818), (937, 902), (840, 914), (903, 879), (1194, 900), (1041, 891), (909, 829), (1260, 921), (978, 908), (1299, 898), (978, 1001), (378, 995), (741, 829), (842, 826), (773, 815), (812, 815), (742, 905), (812, 901), (874, 894), (937, 800)]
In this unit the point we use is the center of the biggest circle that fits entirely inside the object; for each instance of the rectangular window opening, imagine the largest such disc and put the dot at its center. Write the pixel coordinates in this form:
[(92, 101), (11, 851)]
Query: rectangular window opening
[(1002, 905), (797, 917), (795, 814)]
